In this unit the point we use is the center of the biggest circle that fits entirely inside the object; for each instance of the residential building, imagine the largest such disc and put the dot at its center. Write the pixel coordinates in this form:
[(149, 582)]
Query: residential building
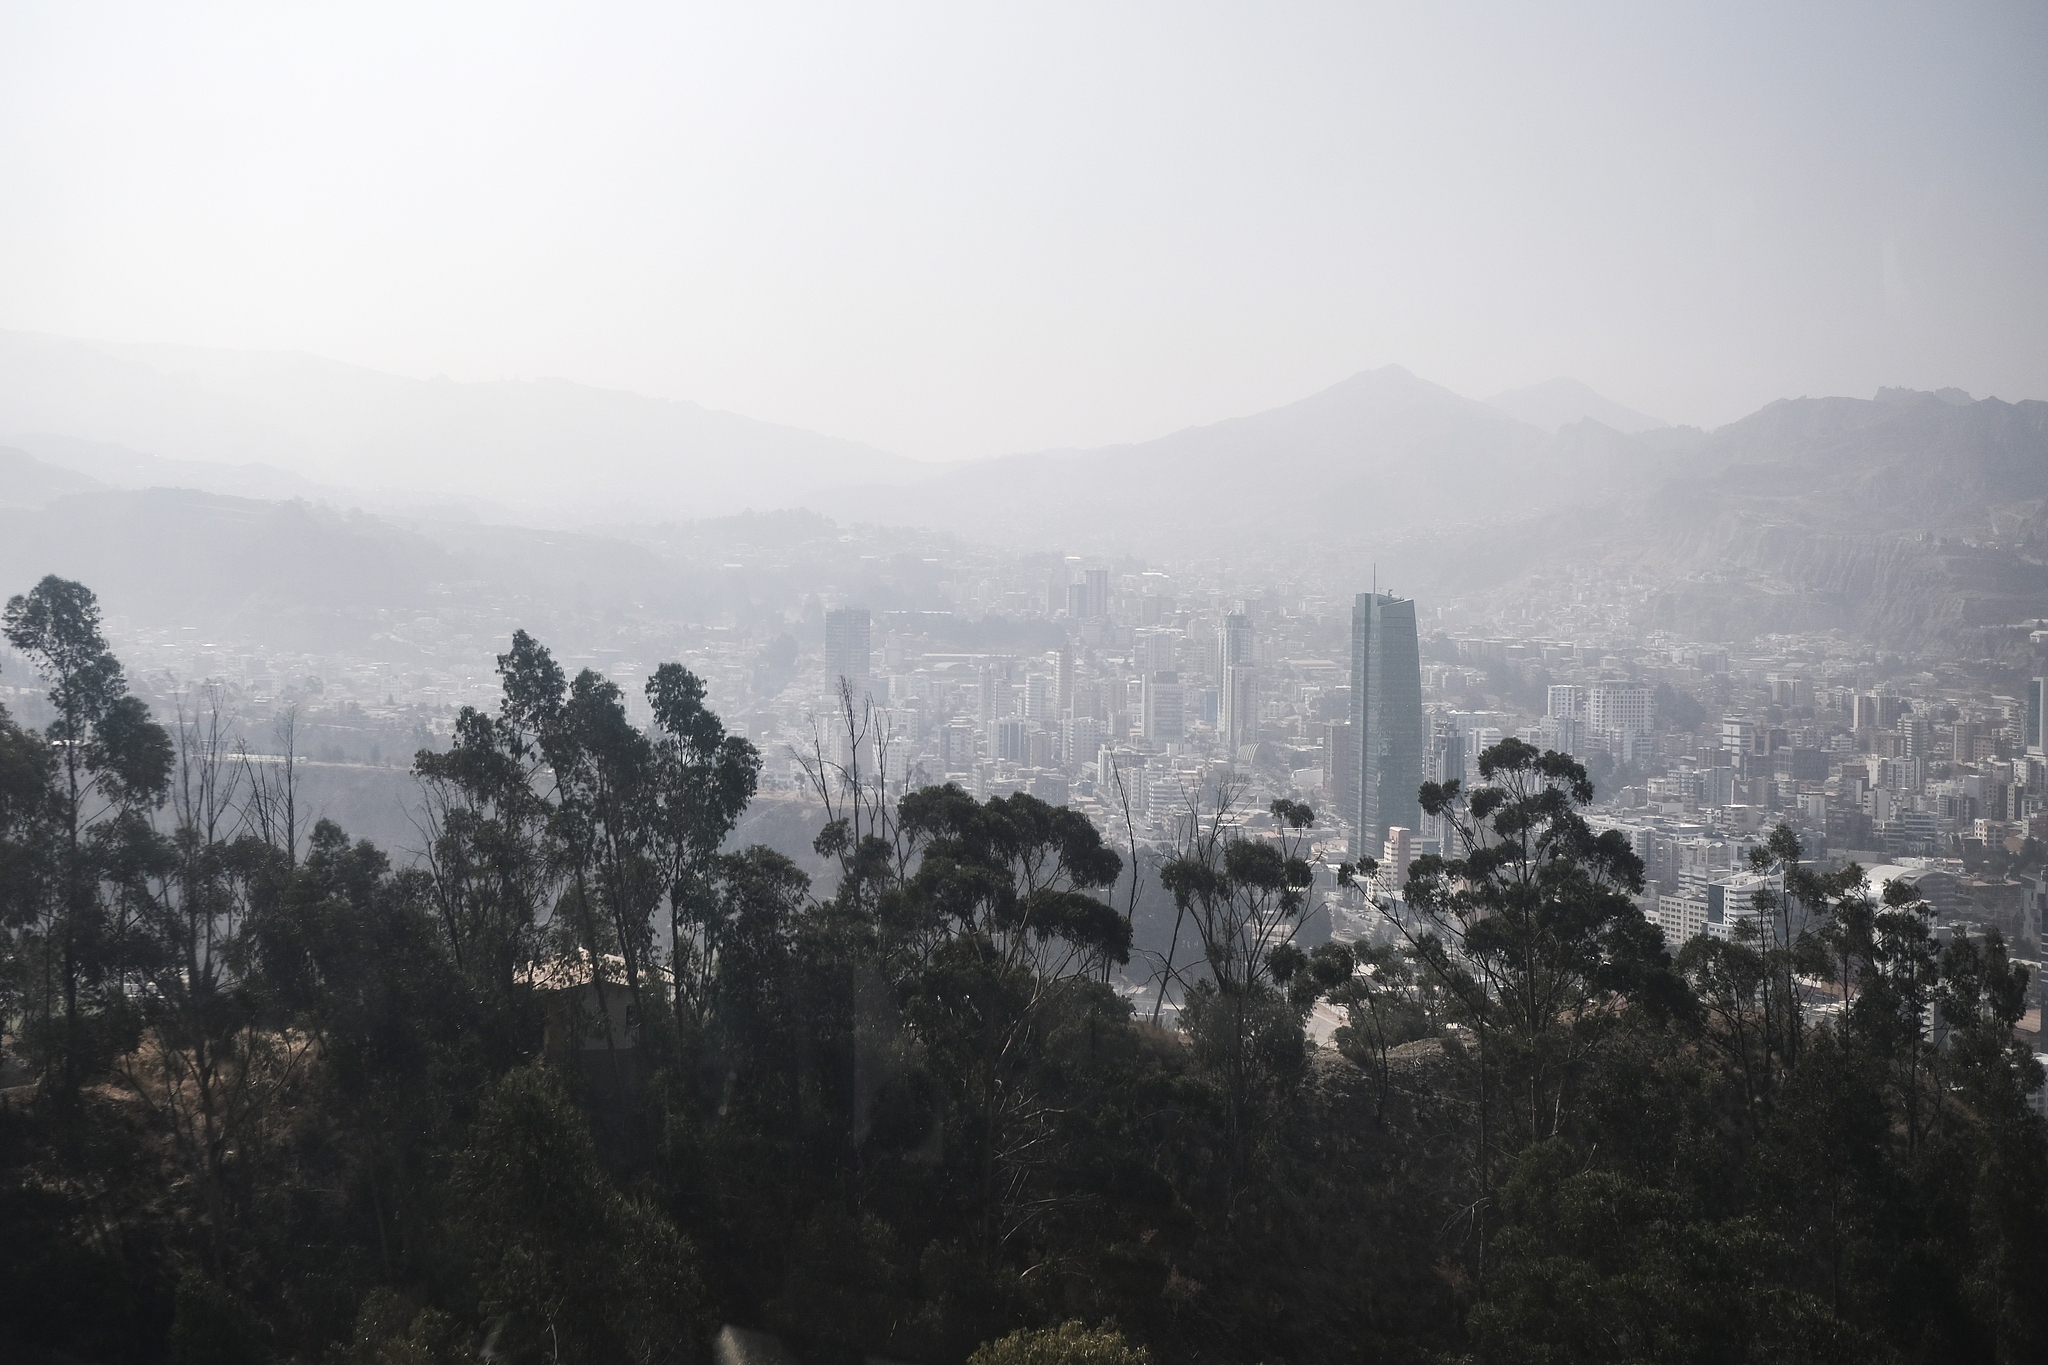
[(1164, 711), (1618, 706), (847, 646)]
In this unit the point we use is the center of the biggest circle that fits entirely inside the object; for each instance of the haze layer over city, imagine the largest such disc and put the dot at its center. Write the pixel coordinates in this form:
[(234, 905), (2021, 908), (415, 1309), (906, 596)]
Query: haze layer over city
[(937, 445)]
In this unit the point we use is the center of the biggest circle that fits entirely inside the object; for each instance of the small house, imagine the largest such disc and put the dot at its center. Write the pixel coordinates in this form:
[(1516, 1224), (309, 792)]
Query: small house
[(593, 1024)]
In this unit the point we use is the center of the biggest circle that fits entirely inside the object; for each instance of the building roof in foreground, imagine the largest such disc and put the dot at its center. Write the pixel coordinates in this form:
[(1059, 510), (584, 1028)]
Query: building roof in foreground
[(572, 970)]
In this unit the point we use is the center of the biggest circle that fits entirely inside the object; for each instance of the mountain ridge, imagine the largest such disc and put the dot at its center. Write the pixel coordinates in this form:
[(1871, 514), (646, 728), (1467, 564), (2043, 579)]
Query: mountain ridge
[(1557, 403), (544, 448), (1830, 512)]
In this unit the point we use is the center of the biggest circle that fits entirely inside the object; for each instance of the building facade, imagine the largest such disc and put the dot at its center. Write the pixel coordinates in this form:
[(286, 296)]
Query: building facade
[(847, 645), (1388, 734), (1163, 711), (1237, 711)]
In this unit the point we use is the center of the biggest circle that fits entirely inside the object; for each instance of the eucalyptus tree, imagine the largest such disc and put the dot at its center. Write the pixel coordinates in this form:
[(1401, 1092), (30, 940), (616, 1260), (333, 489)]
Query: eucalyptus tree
[(845, 766), (112, 762), (211, 1066), (703, 780), (1246, 897), (489, 836), (561, 814), (1982, 997), (28, 768), (640, 817), (1748, 982), (606, 801), (1534, 931), (542, 817), (1000, 919), (1533, 937), (1893, 996)]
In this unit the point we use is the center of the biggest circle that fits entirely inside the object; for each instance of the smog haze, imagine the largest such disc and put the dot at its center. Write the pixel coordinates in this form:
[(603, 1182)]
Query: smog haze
[(950, 231)]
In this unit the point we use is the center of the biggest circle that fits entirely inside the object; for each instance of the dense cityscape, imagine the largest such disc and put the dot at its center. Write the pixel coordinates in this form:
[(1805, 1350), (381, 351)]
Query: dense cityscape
[(1161, 685)]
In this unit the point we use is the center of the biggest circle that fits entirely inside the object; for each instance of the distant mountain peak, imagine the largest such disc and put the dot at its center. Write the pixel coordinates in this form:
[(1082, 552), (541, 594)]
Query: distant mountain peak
[(1557, 403), (1954, 397)]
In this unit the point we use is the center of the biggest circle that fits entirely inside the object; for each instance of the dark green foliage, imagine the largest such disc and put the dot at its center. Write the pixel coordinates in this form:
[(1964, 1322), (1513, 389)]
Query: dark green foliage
[(1593, 1266), (567, 1267), (1071, 1343), (292, 1102)]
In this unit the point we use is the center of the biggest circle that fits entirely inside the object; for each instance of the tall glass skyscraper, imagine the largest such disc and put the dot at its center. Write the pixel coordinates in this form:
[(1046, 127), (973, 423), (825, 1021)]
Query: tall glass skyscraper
[(1387, 731)]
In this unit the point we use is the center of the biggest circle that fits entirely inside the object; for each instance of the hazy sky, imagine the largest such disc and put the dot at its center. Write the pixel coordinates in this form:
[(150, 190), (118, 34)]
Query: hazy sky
[(958, 229)]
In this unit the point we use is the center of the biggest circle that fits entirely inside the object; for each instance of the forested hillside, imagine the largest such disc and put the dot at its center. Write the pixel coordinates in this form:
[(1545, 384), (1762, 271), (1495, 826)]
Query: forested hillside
[(585, 1084)]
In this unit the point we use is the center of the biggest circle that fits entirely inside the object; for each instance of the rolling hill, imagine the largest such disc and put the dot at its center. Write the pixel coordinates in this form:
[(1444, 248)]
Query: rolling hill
[(544, 450)]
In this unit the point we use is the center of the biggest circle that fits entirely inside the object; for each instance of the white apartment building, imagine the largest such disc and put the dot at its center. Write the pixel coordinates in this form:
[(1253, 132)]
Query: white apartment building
[(1617, 706)]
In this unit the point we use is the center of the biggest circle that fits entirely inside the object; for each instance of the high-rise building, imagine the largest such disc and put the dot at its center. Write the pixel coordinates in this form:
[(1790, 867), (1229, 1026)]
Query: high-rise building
[(1565, 734), (846, 645), (957, 747), (1237, 711), (1156, 650), (855, 755), (1444, 762), (1038, 699), (1080, 739), (1096, 599), (2033, 735), (1009, 740), (1963, 740), (1164, 714), (1616, 706), (1235, 643), (1567, 701), (1386, 717), (1338, 767), (1237, 701)]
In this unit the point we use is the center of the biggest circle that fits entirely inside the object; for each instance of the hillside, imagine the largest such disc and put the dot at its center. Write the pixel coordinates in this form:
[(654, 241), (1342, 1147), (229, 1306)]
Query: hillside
[(548, 450), (28, 482), (1909, 520), (1376, 453)]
